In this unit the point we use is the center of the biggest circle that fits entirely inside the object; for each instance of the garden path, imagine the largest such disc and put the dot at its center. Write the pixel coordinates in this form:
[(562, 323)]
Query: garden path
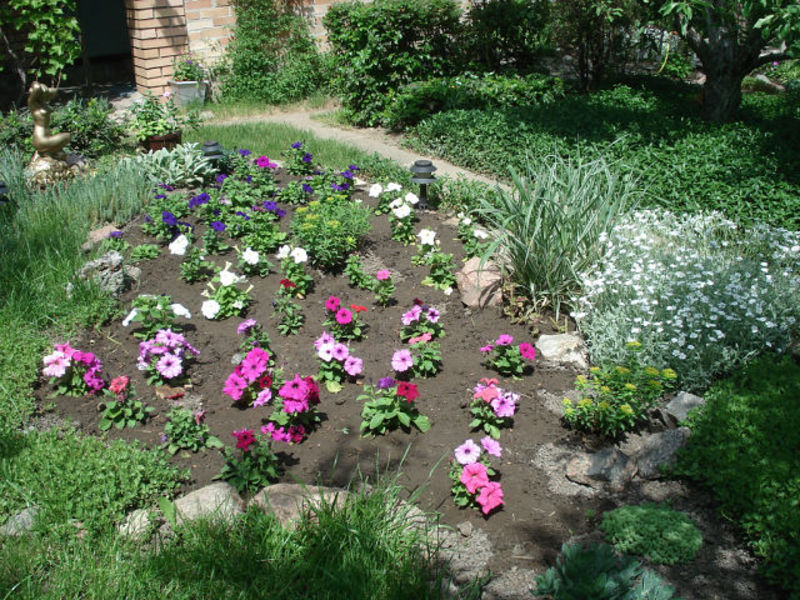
[(366, 139)]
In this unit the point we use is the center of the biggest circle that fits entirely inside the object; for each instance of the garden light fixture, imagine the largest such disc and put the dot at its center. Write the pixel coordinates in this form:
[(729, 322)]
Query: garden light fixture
[(423, 175), (213, 151)]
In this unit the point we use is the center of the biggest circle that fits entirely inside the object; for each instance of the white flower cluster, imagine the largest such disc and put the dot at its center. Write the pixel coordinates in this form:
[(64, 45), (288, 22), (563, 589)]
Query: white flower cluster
[(699, 293), (299, 255)]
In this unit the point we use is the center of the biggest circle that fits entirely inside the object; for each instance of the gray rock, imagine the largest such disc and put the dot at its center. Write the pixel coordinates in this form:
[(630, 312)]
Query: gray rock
[(465, 528), (20, 523), (564, 349), (658, 450), (480, 286), (218, 500), (553, 461), (467, 558), (606, 466), (678, 408), (288, 501), (107, 272), (136, 525), (514, 584)]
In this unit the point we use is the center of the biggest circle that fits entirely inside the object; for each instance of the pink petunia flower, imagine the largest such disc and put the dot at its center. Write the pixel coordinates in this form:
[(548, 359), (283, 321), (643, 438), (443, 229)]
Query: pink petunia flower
[(412, 315), (474, 477), (245, 326), (325, 338), (504, 340), (433, 315), (527, 351), (291, 406), (234, 387), (294, 389), (425, 337), (332, 303), (325, 352), (169, 366), (343, 316), (402, 361), (264, 396), (383, 275), (491, 446), (244, 439), (278, 434), (265, 163), (505, 405), (353, 366), (340, 352), (467, 453), (491, 497), (56, 364), (487, 348)]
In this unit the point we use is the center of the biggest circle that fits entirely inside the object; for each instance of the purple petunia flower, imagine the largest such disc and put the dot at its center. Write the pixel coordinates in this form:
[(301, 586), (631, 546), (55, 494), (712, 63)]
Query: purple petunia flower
[(385, 383), (340, 188), (199, 200), (169, 219), (297, 145), (270, 206), (242, 214), (169, 366), (148, 219), (115, 234), (280, 213), (308, 189), (346, 174), (354, 168), (166, 186), (244, 152), (160, 196), (307, 157), (221, 177), (249, 178), (218, 226)]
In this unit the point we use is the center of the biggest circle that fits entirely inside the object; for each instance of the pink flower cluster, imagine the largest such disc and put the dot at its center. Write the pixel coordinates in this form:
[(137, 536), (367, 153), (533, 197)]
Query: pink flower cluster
[(504, 404), (526, 350), (475, 474), (328, 349), (417, 312), (164, 354), (298, 398), (402, 361), (250, 383), (64, 358)]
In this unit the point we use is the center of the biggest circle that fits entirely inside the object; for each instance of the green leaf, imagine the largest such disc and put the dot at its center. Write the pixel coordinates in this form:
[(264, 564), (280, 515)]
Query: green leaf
[(334, 387), (404, 419), (104, 424), (422, 423), (214, 442), (376, 421)]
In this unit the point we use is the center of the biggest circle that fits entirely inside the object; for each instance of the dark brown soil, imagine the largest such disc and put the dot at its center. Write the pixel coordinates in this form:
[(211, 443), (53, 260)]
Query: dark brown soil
[(527, 532)]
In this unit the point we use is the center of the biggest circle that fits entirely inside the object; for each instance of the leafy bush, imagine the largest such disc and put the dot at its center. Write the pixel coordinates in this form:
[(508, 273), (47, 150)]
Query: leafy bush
[(272, 57), (744, 448), (183, 166), (618, 398), (660, 534), (378, 46), (701, 295), (595, 572), (418, 100), (506, 34), (745, 169), (70, 476), (550, 228), (330, 230), (461, 194)]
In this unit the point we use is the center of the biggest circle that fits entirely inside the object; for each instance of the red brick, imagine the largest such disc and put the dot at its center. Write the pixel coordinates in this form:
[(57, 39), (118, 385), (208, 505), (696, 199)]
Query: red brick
[(197, 4), (221, 21)]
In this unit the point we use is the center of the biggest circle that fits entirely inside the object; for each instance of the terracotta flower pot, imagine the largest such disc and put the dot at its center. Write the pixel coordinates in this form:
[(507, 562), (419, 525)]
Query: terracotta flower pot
[(157, 142)]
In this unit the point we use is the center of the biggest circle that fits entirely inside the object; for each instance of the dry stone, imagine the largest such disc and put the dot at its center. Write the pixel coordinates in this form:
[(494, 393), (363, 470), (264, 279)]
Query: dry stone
[(564, 350), (659, 450), (288, 501), (136, 524), (678, 408), (218, 500), (606, 466), (20, 523), (480, 286)]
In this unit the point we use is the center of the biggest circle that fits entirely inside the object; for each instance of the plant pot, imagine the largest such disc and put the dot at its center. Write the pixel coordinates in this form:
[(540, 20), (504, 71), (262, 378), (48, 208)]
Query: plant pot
[(185, 93), (157, 142)]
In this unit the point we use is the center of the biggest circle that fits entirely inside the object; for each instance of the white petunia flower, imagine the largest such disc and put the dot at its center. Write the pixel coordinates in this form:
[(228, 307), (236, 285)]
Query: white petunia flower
[(179, 245), (127, 320), (480, 234), (299, 255), (283, 251), (402, 211), (396, 202), (180, 310), (227, 278), (412, 198), (250, 256), (466, 221), (375, 190), (394, 187), (426, 237), (210, 308)]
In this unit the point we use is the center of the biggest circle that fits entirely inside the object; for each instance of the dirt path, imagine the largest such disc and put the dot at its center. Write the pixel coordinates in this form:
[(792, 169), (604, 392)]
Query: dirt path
[(368, 140)]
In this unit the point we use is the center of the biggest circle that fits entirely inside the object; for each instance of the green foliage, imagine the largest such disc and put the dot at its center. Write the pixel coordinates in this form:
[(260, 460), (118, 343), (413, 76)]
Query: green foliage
[(290, 315), (272, 57), (188, 68), (744, 448), (385, 409), (154, 116), (551, 225), (251, 470), (195, 268), (51, 32), (183, 166), (186, 431), (744, 169), (381, 45), (330, 230), (506, 34), (145, 252), (418, 100), (154, 313), (70, 476), (662, 535), (125, 410), (354, 269), (617, 399), (595, 572)]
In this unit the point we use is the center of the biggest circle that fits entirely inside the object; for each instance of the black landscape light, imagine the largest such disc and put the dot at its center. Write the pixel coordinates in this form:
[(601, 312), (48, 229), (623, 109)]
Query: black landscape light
[(3, 192), (214, 152), (423, 175)]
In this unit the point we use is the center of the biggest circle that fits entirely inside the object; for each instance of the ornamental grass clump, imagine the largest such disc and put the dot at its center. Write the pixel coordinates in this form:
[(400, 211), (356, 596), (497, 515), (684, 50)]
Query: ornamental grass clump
[(699, 292), (492, 407), (390, 405), (73, 372), (617, 399), (471, 473), (549, 229)]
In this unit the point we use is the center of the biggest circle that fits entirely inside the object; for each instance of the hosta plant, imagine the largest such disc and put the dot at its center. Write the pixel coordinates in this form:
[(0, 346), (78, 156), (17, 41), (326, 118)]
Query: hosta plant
[(471, 475), (390, 405), (124, 409)]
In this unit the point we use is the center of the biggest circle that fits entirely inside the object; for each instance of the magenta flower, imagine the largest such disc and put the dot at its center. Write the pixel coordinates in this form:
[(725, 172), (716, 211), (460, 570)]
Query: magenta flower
[(244, 439), (56, 364), (245, 326), (491, 446), (504, 340), (487, 348), (527, 351), (353, 366), (278, 434), (291, 406), (412, 315), (491, 497), (433, 315), (384, 383), (169, 366), (169, 338), (383, 275), (294, 389), (505, 405), (474, 477), (340, 352), (234, 387), (343, 316), (332, 304), (467, 453), (263, 162), (264, 396), (402, 361)]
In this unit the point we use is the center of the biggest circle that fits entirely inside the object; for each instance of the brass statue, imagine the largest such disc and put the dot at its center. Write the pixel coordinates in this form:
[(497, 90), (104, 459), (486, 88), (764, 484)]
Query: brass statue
[(46, 143)]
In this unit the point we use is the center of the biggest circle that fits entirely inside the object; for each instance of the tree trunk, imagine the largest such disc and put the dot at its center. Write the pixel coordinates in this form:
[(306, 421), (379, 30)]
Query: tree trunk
[(722, 94)]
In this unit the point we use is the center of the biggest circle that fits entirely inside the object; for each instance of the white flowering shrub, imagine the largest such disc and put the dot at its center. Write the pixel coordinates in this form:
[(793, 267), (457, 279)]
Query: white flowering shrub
[(701, 294)]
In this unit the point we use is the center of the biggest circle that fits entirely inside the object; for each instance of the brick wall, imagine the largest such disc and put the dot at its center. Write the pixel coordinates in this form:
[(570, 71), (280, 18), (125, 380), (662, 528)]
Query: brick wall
[(209, 24)]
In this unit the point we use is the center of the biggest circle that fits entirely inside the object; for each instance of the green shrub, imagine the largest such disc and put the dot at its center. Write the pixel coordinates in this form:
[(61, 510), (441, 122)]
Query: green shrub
[(744, 449), (660, 534), (183, 166), (419, 100), (379, 46), (70, 476), (272, 57), (550, 228), (596, 573)]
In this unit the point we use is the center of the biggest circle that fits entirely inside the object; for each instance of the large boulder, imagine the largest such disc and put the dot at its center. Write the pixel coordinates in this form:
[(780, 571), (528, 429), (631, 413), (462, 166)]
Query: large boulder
[(480, 286), (678, 408), (608, 466), (563, 350), (657, 450), (109, 273), (289, 501), (218, 500)]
